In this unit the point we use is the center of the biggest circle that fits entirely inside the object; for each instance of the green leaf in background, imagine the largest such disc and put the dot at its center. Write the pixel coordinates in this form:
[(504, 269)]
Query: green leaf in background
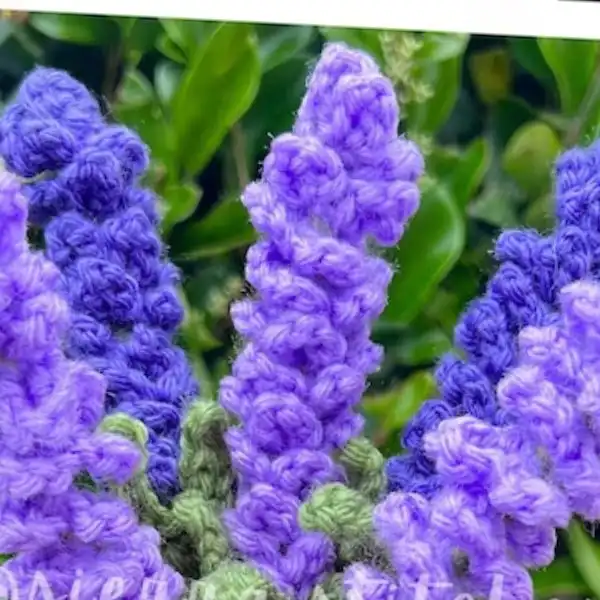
[(432, 244), (166, 46), (267, 118), (76, 29), (139, 36), (441, 47), (491, 74), (225, 228), (188, 35), (149, 123), (195, 333), (6, 30), (586, 556), (280, 43), (442, 76), (497, 205), (418, 348), (506, 117), (135, 89), (389, 411), (462, 171), (529, 156), (362, 39), (180, 202), (137, 107), (560, 579), (540, 214), (573, 63), (166, 79), (217, 88), (526, 52)]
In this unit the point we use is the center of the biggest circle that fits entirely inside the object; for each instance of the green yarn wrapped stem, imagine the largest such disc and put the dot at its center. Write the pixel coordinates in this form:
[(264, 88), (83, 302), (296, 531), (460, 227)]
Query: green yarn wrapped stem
[(205, 464), (346, 516), (364, 466), (137, 490), (199, 520), (194, 541), (340, 512)]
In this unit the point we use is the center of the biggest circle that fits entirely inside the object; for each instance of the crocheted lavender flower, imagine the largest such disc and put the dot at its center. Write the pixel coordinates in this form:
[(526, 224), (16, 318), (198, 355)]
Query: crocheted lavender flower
[(100, 231), (62, 535), (522, 293), (507, 488), (342, 176)]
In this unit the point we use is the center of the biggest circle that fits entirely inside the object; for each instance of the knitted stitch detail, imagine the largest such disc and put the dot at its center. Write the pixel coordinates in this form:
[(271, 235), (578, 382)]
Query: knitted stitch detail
[(61, 536), (342, 177), (523, 292), (100, 231)]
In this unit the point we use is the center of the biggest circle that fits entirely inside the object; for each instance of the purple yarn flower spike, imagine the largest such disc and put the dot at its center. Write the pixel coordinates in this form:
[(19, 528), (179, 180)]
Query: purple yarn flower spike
[(62, 536), (343, 176), (522, 293), (506, 489), (101, 232)]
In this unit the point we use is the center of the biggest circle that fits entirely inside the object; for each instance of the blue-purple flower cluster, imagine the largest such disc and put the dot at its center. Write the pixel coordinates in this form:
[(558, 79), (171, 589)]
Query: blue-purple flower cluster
[(100, 229), (60, 535)]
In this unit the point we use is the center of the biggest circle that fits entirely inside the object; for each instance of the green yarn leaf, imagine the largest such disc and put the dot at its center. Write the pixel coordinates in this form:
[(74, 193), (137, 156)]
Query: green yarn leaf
[(337, 511), (346, 516), (200, 520)]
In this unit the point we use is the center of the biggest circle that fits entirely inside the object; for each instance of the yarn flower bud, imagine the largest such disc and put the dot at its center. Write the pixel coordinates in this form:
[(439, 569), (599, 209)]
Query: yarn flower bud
[(100, 230), (326, 189), (59, 534)]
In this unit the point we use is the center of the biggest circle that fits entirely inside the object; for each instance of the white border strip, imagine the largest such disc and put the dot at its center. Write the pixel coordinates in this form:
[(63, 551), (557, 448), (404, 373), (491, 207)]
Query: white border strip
[(542, 18)]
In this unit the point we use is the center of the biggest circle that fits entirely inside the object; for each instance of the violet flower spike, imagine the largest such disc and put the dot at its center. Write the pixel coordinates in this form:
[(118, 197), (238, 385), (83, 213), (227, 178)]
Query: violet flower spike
[(101, 231), (341, 178), (523, 292), (60, 535), (507, 489)]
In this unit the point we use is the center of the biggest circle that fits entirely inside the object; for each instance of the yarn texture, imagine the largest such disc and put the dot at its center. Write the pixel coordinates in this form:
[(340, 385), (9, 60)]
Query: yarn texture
[(100, 230), (194, 540), (341, 178), (523, 292), (61, 534), (506, 489)]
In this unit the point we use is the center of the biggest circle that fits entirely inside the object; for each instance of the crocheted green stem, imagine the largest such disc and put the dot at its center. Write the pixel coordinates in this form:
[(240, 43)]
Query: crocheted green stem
[(194, 540), (346, 516), (364, 466), (205, 465)]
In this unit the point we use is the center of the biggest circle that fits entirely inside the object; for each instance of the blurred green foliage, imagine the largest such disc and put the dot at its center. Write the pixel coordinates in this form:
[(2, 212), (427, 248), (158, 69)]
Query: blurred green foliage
[(491, 115)]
